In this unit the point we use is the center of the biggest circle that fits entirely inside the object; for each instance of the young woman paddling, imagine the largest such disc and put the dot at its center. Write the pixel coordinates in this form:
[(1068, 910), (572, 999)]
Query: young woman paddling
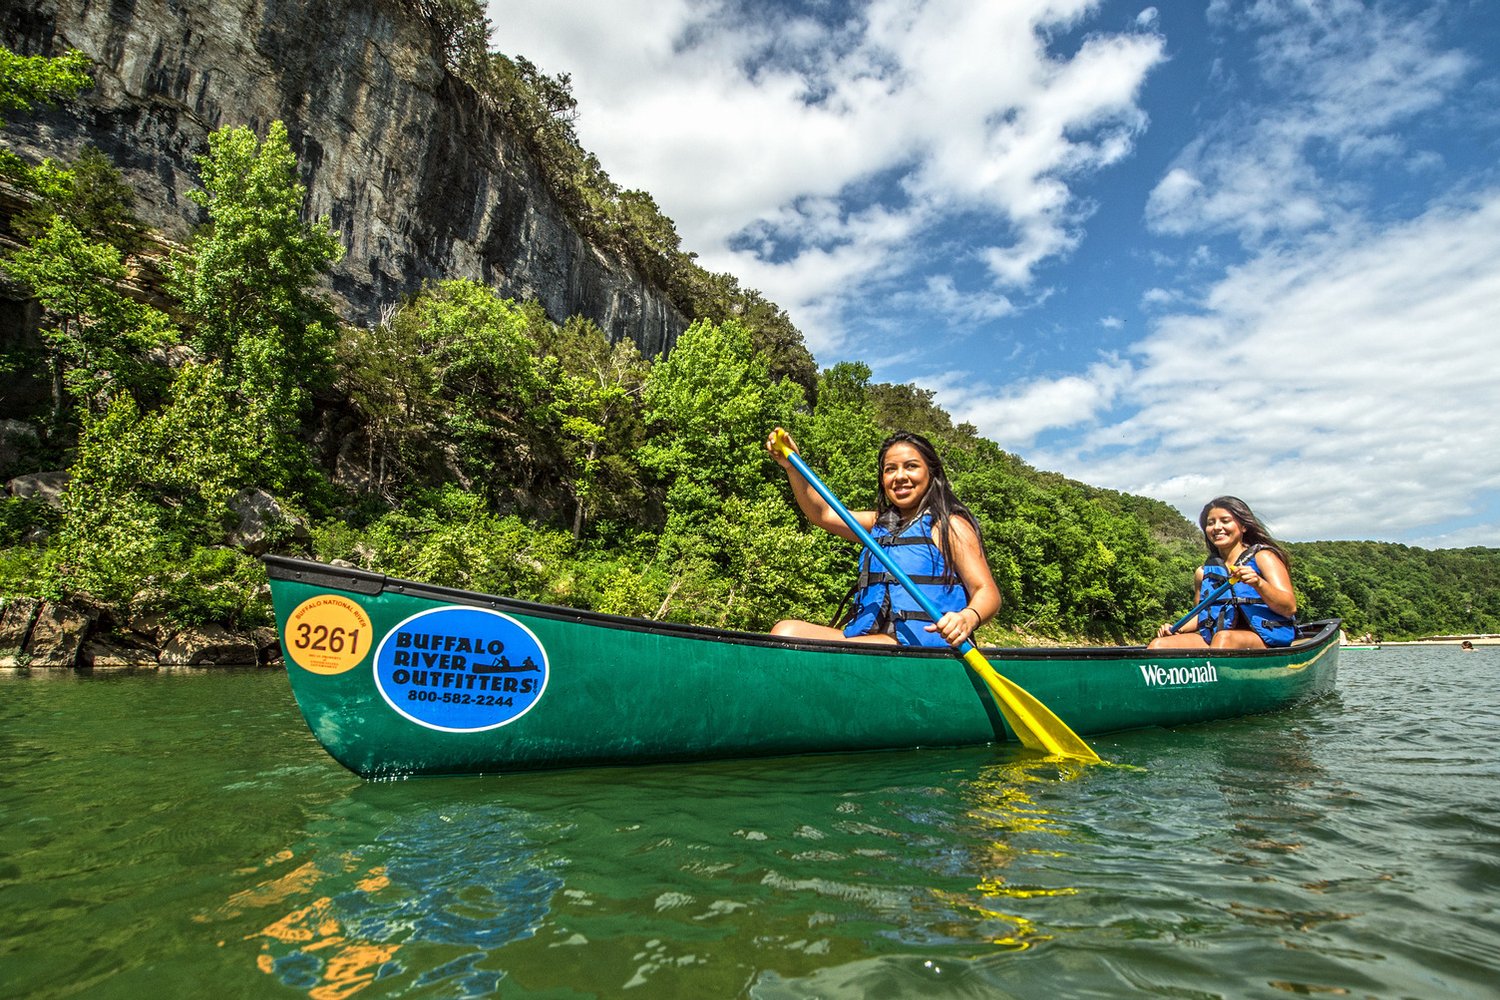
[(932, 537), (1258, 609)]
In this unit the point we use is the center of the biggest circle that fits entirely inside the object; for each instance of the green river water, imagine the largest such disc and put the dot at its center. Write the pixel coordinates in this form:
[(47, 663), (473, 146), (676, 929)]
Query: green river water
[(181, 835)]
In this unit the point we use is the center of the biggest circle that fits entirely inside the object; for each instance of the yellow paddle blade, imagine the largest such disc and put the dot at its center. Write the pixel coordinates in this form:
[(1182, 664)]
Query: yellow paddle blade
[(1033, 723)]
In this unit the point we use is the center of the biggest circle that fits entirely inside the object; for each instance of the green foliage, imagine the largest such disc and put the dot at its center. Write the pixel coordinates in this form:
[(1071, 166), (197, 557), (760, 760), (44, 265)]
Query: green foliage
[(247, 280), (157, 464), (596, 410), (93, 335), (710, 404), (452, 386), (1398, 592), (96, 338), (754, 564), (20, 517), (718, 298), (729, 530), (908, 408), (462, 30), (208, 585), (390, 373), (90, 194), (774, 567), (536, 416), (25, 571), (1066, 565), (450, 538), (26, 81), (841, 438), (149, 486), (638, 589)]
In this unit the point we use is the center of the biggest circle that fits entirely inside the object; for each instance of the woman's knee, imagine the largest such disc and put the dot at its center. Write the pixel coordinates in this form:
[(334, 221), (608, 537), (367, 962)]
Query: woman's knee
[(1237, 639), (1182, 640)]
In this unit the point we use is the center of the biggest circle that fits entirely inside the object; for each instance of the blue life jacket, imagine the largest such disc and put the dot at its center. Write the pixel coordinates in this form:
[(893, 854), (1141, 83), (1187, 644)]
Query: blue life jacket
[(1241, 606), (881, 604)]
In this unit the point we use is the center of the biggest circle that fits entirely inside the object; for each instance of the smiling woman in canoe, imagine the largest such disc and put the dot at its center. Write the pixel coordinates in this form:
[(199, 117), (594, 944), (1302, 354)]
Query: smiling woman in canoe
[(1245, 591), (933, 538)]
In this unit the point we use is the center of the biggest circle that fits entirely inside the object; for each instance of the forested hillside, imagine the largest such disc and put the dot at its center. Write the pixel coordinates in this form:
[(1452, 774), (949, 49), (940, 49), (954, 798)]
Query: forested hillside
[(1399, 592), (222, 411)]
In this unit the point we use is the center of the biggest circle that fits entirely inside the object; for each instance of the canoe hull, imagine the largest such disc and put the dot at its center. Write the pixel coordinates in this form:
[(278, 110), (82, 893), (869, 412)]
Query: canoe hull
[(397, 678)]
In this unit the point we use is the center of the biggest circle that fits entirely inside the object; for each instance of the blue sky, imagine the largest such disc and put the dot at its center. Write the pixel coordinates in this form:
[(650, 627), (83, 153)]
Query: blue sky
[(1200, 248)]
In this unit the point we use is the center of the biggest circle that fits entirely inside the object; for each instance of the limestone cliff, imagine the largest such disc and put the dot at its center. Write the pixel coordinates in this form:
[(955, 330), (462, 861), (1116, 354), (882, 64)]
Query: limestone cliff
[(419, 180)]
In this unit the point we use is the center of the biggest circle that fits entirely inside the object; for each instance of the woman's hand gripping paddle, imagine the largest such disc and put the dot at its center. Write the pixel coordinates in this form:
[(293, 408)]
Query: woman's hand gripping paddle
[(1031, 721)]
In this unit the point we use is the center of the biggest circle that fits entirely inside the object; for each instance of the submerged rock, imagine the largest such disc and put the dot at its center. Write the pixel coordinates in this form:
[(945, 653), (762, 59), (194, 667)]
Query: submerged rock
[(113, 653)]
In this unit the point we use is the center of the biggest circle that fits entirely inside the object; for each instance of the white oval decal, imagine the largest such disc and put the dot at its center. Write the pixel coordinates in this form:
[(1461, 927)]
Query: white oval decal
[(461, 669)]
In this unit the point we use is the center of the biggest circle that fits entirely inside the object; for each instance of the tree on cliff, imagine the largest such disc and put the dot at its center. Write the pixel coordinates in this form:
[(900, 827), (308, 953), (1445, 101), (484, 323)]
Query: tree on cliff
[(248, 280), (462, 30), (95, 337), (541, 110), (77, 224), (26, 81)]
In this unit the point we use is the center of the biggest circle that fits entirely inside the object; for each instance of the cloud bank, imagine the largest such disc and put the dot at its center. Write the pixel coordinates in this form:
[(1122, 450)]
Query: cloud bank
[(823, 161)]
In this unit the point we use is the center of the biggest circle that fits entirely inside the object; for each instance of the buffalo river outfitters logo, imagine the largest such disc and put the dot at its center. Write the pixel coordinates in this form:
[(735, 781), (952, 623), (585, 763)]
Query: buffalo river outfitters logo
[(460, 669)]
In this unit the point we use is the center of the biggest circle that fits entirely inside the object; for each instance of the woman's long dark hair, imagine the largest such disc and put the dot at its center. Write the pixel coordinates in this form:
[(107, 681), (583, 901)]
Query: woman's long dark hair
[(938, 501), (1254, 532)]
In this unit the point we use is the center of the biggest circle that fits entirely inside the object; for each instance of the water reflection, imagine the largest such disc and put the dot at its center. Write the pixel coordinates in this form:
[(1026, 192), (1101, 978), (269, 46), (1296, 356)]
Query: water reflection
[(460, 882), (1003, 822), (341, 914)]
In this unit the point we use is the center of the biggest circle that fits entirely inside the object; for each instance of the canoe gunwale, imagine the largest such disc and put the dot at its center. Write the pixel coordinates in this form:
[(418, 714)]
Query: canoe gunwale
[(370, 584)]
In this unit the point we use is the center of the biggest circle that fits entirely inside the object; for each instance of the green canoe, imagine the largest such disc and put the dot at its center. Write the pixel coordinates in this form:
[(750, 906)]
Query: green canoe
[(398, 678)]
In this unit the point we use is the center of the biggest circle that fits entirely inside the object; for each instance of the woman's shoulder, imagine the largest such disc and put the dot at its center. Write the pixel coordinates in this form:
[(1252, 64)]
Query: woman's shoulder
[(960, 524), (1260, 555)]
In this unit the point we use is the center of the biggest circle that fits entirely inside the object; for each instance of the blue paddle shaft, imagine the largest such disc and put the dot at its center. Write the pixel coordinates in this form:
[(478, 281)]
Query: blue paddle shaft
[(869, 542), (1203, 603)]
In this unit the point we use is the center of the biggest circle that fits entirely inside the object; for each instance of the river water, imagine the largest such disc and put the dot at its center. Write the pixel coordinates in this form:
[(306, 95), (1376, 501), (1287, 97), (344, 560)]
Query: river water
[(182, 834)]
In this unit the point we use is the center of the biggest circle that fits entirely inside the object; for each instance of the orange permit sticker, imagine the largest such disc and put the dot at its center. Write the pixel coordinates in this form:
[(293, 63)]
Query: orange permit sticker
[(327, 634)]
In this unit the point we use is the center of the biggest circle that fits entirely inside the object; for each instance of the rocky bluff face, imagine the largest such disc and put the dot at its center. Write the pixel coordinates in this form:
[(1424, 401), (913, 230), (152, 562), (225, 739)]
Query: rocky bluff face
[(420, 181)]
